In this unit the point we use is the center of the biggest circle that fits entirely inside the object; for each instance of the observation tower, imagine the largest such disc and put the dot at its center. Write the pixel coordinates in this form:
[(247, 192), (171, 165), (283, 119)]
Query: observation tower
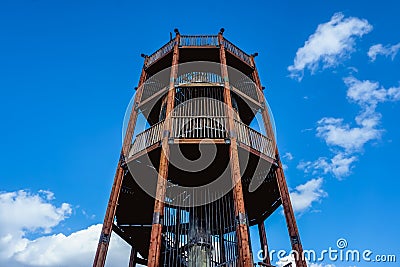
[(199, 163)]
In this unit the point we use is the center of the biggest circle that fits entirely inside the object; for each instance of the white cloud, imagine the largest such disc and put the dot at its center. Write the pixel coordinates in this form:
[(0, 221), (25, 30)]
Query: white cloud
[(369, 93), (306, 194), (22, 213), (387, 51), (337, 133), (347, 140), (339, 166), (76, 249), (331, 42), (288, 156), (49, 195)]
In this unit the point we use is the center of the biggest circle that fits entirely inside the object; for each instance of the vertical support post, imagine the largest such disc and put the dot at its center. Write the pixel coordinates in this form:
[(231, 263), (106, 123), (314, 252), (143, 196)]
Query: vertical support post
[(177, 226), (289, 215), (102, 248), (280, 176), (222, 246), (156, 230), (132, 258), (242, 231), (264, 243)]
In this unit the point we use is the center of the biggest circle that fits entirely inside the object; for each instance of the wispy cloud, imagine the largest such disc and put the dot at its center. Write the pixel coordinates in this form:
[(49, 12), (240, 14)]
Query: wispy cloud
[(288, 156), (304, 195), (331, 42), (339, 166), (369, 93), (387, 51), (345, 140)]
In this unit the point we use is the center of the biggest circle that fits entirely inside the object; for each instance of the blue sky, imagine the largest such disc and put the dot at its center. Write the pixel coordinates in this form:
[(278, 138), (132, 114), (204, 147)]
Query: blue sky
[(67, 73)]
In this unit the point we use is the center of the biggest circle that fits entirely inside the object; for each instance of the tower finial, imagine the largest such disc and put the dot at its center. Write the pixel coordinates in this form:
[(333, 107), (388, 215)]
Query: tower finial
[(176, 31), (221, 31)]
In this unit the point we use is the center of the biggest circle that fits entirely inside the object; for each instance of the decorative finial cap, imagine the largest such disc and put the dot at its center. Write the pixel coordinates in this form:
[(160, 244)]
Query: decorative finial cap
[(221, 31), (255, 54), (143, 55), (176, 30)]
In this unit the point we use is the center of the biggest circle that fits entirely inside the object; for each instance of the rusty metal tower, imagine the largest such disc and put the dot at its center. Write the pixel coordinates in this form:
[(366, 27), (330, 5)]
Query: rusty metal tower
[(199, 172)]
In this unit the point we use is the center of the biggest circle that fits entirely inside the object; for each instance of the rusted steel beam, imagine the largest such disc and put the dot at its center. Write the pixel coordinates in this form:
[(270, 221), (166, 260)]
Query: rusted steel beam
[(289, 215), (102, 248), (282, 185), (264, 243), (242, 231), (156, 230), (105, 235)]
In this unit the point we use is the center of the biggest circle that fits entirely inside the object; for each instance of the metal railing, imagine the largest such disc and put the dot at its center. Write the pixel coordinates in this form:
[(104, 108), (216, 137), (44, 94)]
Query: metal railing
[(147, 138), (199, 77), (168, 47), (254, 139), (194, 127), (199, 40), (186, 127), (236, 51)]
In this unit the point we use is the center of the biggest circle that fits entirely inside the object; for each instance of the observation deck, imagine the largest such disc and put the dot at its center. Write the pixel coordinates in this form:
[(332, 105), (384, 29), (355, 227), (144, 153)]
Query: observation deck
[(204, 119), (199, 124), (207, 49)]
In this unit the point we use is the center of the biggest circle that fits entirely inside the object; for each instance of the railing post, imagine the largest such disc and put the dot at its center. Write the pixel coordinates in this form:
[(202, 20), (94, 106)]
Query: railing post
[(242, 231), (156, 230)]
